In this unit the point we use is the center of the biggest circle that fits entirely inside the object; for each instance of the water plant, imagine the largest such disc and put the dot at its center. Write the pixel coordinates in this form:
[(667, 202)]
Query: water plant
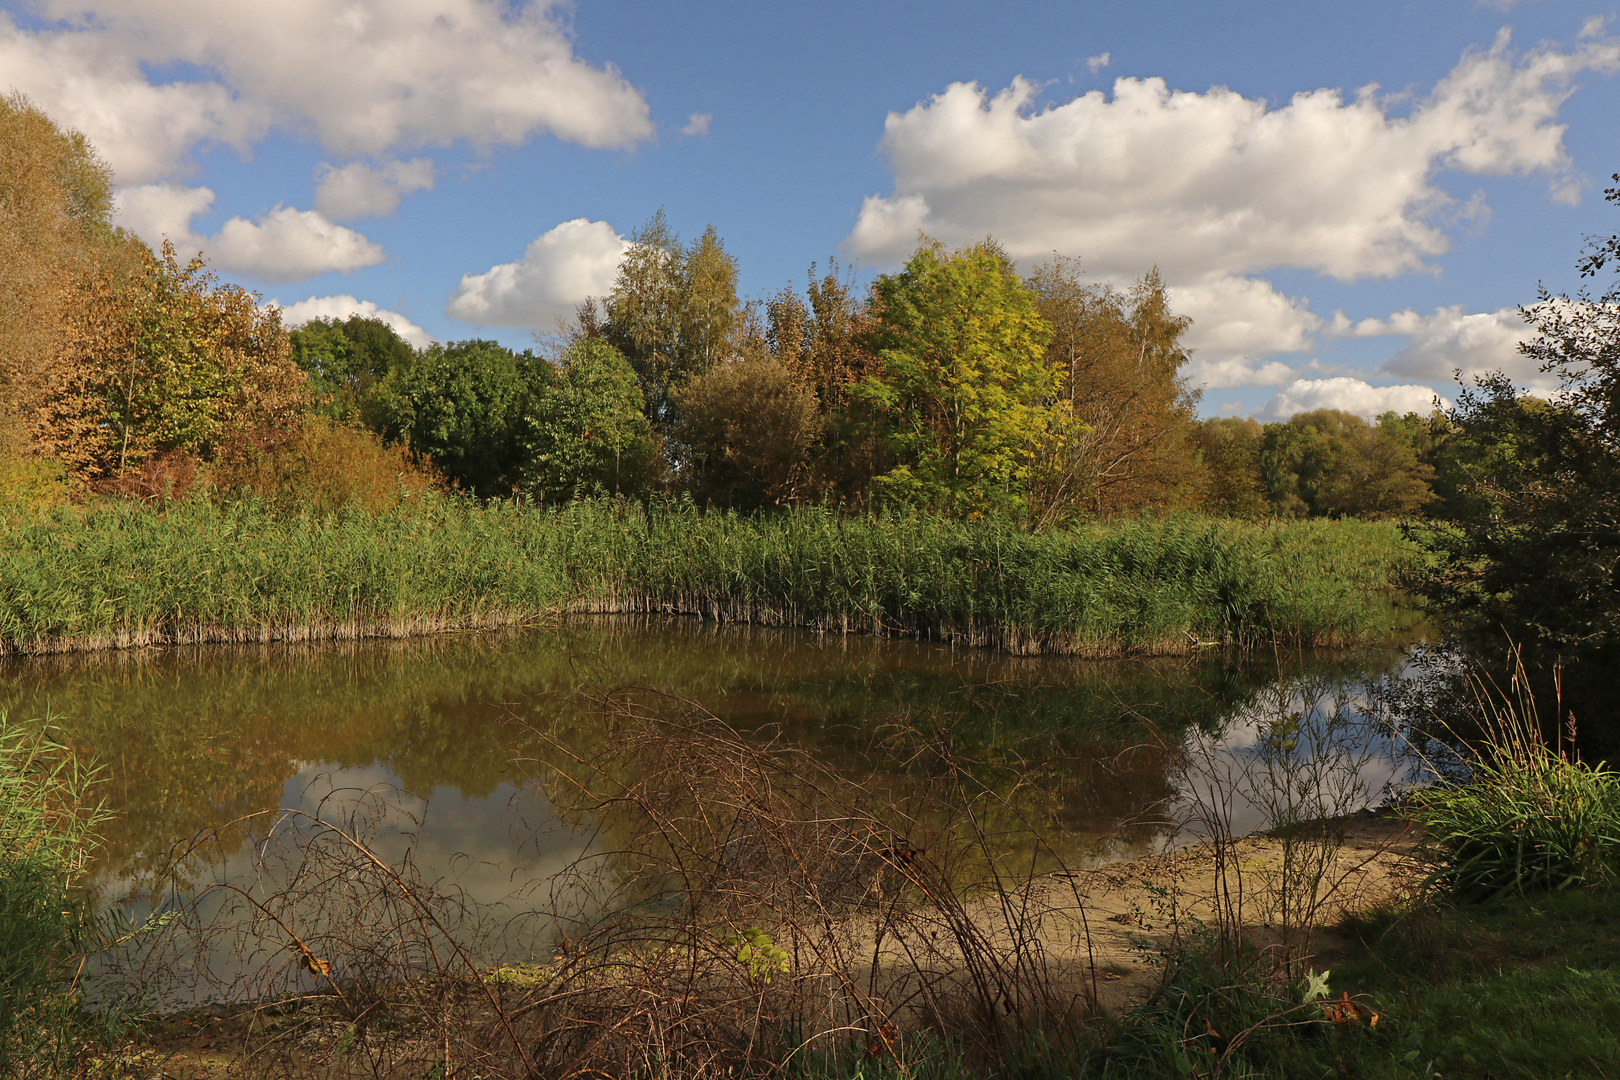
[(122, 575)]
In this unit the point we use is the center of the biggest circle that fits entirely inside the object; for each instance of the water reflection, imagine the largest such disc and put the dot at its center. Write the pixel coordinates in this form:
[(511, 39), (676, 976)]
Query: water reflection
[(193, 738)]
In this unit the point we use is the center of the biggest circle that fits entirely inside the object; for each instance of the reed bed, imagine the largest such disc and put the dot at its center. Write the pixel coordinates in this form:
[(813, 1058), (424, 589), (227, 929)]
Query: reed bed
[(122, 575)]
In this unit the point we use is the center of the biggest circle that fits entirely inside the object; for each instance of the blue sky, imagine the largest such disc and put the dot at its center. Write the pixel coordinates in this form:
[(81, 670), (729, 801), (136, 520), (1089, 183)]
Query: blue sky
[(1349, 200)]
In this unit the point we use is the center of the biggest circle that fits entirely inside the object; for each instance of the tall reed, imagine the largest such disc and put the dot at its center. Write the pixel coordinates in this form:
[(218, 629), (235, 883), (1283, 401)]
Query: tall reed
[(46, 925), (121, 575)]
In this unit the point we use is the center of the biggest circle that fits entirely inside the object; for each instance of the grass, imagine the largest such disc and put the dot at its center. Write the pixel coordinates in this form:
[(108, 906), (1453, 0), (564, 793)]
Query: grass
[(1528, 986), (1529, 817), (122, 575), (46, 925)]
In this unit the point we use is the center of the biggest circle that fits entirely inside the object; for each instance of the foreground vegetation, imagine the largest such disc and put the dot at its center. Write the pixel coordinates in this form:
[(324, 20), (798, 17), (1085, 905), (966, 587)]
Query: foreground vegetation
[(126, 574), (755, 913)]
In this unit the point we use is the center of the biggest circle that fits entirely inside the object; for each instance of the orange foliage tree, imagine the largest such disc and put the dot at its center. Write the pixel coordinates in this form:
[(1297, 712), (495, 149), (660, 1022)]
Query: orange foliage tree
[(171, 361)]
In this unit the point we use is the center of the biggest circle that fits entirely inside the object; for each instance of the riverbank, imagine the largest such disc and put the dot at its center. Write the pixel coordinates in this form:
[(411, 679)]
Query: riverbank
[(1524, 988), (125, 575)]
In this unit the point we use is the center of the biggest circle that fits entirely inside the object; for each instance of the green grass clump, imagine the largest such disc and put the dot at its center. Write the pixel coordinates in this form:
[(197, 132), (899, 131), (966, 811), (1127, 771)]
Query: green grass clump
[(1521, 824), (1529, 817), (46, 925), (193, 571)]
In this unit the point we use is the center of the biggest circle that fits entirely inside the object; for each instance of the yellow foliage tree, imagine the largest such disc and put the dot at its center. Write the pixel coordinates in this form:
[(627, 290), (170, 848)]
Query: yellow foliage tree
[(55, 237), (1125, 420)]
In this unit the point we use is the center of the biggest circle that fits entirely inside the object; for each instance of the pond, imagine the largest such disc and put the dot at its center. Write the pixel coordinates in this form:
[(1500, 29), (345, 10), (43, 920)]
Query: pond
[(190, 739)]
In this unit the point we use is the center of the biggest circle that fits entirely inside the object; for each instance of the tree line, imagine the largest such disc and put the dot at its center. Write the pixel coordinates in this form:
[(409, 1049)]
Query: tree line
[(955, 385)]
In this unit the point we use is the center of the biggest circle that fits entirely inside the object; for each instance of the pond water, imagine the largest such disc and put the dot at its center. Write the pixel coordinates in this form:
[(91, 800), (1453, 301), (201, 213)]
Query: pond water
[(190, 739)]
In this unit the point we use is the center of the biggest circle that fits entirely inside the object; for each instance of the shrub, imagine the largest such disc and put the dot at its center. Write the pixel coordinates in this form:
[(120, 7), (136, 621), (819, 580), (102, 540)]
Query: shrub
[(327, 467), (30, 486)]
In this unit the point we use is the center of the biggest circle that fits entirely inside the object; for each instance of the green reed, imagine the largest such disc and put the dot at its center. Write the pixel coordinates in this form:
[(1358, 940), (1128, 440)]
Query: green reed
[(121, 574), (46, 924)]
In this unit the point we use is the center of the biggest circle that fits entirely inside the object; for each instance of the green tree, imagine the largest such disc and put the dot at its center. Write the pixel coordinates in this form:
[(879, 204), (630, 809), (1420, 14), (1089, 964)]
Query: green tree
[(346, 359), (672, 310), (585, 431), (963, 388), (464, 407), (1532, 547), (1333, 463), (1229, 448)]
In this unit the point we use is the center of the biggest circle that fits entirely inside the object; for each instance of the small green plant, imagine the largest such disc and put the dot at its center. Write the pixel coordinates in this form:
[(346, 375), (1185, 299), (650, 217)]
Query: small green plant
[(761, 957)]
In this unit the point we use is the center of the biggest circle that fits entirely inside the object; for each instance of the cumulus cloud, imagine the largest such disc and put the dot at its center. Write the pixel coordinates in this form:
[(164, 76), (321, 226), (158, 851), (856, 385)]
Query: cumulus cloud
[(361, 190), (1236, 323), (341, 307), (366, 77), (1214, 184), (158, 211), (1097, 63), (1349, 395), (560, 268), (698, 124), (1454, 340), (94, 82), (282, 245)]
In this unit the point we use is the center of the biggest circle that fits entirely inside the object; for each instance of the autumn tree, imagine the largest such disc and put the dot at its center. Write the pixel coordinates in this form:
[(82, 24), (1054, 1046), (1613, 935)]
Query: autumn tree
[(671, 312), (747, 430), (1123, 430), (56, 242), (821, 339), (171, 360), (961, 392)]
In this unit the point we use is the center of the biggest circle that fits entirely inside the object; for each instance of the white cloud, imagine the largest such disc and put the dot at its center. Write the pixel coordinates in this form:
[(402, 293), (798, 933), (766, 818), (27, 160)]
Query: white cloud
[(94, 83), (282, 245), (366, 77), (360, 190), (1213, 184), (1452, 340), (1349, 395), (698, 124), (1230, 372), (1236, 323), (156, 211), (341, 307), (1097, 63), (562, 267)]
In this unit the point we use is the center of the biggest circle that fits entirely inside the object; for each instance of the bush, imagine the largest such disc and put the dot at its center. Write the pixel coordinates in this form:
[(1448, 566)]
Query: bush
[(29, 486), (327, 467)]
